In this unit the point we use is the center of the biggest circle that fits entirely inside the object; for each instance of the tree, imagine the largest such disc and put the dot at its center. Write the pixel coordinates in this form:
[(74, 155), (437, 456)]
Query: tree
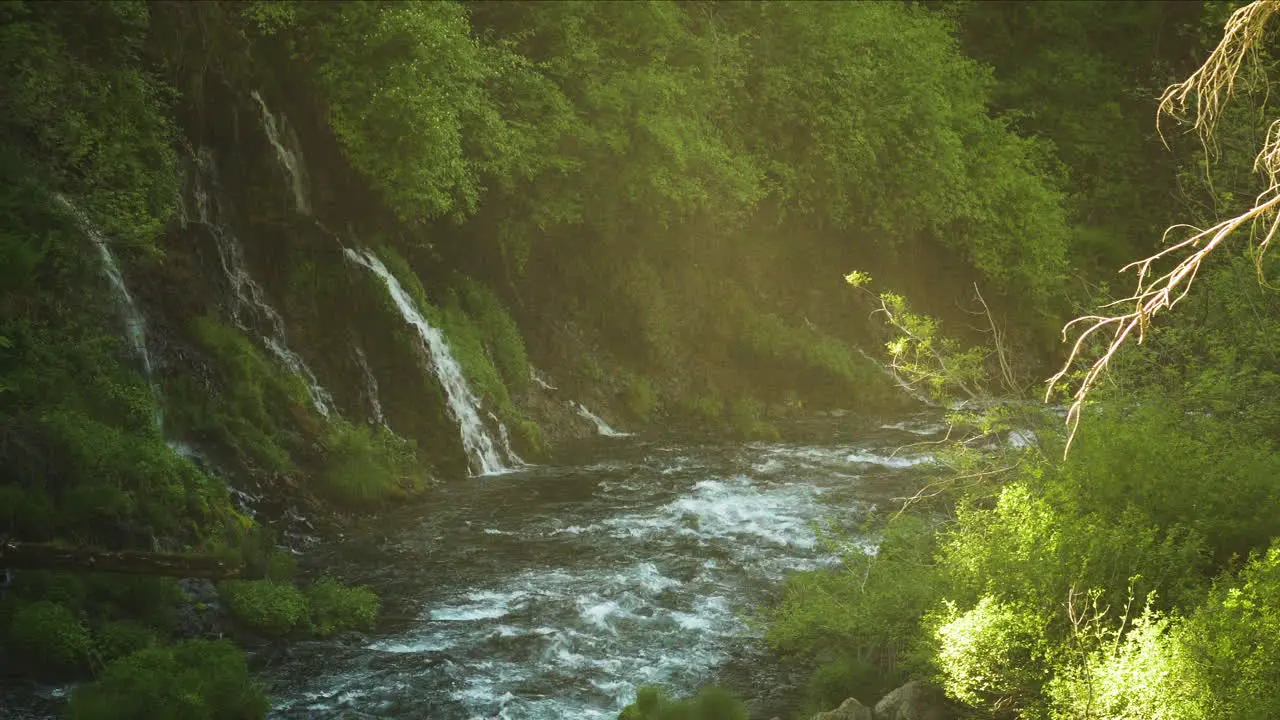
[(1201, 99)]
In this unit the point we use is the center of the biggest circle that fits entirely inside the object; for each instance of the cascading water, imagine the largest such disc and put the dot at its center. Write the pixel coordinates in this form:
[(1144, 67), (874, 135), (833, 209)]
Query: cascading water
[(370, 388), (505, 438), (463, 405), (602, 427), (282, 138), (249, 306), (134, 323)]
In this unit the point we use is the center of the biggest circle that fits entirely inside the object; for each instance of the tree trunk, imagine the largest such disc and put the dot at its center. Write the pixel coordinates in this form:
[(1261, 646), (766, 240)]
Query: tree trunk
[(41, 556)]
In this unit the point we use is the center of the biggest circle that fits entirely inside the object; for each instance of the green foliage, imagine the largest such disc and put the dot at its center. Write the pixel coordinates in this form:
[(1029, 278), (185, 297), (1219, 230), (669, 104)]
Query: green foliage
[(993, 656), (746, 419), (1233, 641), (711, 703), (199, 679), (501, 337), (267, 606), (865, 615), (83, 109), (405, 85), (639, 397), (259, 407), (335, 607), (50, 637), (119, 638), (367, 464)]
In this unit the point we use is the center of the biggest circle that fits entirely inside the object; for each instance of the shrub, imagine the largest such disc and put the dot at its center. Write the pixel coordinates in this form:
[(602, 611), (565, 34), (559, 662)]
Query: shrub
[(196, 679), (119, 638), (746, 422), (640, 397), (336, 607), (367, 464), (267, 606), (1234, 638), (49, 637), (993, 656), (710, 703)]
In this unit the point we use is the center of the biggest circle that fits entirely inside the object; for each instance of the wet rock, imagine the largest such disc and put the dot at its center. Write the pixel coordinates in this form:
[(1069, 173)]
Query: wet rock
[(850, 709), (917, 700), (201, 613)]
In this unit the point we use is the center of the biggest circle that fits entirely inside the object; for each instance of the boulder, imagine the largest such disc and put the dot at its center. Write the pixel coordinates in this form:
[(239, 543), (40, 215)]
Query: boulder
[(850, 709), (917, 700)]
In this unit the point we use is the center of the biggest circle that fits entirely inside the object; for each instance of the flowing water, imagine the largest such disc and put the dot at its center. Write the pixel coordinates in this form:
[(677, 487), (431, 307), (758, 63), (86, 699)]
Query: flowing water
[(602, 427), (482, 451), (250, 309), (370, 388), (135, 325), (288, 153), (552, 592)]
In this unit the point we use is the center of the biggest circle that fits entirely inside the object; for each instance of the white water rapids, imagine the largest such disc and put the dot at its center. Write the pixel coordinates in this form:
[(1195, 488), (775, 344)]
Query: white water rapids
[(553, 592)]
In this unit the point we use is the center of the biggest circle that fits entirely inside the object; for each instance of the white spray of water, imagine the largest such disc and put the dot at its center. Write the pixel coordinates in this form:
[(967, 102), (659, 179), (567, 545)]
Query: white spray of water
[(282, 138), (480, 448), (248, 297), (602, 427)]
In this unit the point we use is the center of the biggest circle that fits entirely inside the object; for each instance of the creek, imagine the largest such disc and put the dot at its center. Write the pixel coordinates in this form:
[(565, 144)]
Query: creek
[(553, 591)]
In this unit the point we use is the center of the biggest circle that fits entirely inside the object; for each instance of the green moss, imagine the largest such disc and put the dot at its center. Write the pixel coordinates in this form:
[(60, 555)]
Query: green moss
[(49, 637), (200, 679), (336, 607), (365, 464), (267, 606), (706, 407)]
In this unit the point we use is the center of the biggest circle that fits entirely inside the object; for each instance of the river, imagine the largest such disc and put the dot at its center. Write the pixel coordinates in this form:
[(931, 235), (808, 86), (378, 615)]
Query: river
[(551, 593)]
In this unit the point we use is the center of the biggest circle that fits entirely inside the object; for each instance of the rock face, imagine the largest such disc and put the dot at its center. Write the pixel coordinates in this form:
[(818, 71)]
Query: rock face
[(850, 709), (914, 701)]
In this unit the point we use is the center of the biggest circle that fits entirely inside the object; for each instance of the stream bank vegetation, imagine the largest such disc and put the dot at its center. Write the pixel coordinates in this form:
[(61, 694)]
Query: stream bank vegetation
[(651, 200)]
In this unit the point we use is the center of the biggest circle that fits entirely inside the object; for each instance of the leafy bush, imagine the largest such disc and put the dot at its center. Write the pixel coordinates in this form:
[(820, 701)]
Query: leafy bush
[(119, 638), (639, 397), (746, 421), (367, 464), (710, 703), (993, 656), (49, 637), (267, 606), (198, 679), (336, 607), (1233, 640), (866, 615)]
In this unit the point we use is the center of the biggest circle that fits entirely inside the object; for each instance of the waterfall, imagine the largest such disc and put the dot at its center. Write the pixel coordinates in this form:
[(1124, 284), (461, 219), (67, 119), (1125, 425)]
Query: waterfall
[(505, 438), (134, 324), (370, 388), (289, 154), (540, 381), (248, 298), (480, 448), (602, 427)]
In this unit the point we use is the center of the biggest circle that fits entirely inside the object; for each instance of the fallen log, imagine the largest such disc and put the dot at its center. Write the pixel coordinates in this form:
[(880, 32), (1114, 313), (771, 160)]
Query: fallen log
[(43, 556)]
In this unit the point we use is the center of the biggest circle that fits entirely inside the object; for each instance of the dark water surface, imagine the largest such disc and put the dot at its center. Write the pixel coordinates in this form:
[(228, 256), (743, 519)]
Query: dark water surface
[(553, 592)]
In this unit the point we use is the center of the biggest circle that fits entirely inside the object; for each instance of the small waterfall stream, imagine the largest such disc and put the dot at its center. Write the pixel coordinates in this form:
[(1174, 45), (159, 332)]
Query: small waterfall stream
[(135, 324), (286, 145), (602, 427), (250, 310), (482, 451), (370, 387)]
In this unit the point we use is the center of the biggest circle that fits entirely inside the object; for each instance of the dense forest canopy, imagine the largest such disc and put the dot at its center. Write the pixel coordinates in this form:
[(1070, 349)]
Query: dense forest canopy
[(269, 255)]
